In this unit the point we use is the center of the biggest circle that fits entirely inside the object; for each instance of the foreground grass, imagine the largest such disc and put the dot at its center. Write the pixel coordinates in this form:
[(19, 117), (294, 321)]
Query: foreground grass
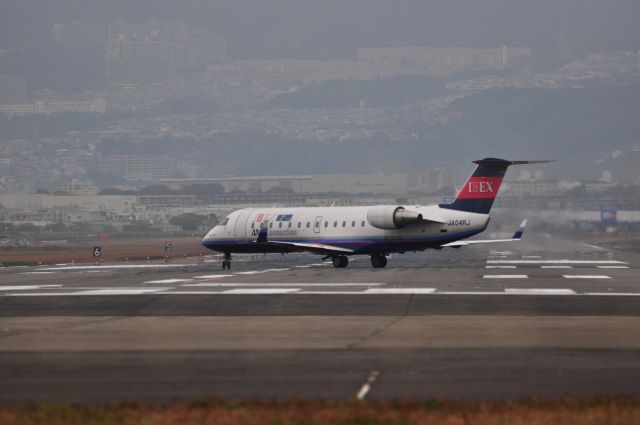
[(611, 411)]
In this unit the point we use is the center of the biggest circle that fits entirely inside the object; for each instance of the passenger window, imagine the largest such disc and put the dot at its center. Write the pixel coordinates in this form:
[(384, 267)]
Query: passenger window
[(353, 224), (362, 223), (326, 224), (335, 224), (289, 225), (344, 223), (308, 224), (299, 224), (280, 225), (225, 221), (270, 225)]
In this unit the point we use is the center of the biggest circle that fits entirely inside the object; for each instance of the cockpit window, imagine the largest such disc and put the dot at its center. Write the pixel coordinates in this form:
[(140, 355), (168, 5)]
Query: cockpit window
[(225, 221)]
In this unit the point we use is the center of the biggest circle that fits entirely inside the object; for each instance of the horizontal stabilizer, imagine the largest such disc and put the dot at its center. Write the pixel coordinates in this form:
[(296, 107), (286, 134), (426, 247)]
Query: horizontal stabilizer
[(516, 237)]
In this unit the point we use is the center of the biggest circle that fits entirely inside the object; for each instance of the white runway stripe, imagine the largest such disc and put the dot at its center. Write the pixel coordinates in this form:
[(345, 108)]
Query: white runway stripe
[(400, 291), (613, 294), (253, 284), (169, 281), (37, 273), (585, 276), (531, 256), (555, 262), (213, 276), (26, 287), (470, 293), (118, 266), (120, 291), (536, 291), (612, 267), (505, 276), (500, 267), (261, 291), (556, 267)]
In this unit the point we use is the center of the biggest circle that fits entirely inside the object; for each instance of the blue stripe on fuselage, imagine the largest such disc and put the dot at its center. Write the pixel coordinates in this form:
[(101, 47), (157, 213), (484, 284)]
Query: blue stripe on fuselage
[(358, 245)]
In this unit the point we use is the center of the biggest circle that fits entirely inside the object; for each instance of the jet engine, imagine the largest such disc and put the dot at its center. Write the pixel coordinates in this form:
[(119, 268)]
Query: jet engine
[(391, 217)]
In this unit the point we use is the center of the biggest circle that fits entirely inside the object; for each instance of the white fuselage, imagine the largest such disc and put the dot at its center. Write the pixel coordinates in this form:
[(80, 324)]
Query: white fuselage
[(346, 227)]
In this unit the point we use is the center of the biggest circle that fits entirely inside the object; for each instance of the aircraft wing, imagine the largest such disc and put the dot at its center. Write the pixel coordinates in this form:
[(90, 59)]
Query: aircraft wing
[(316, 248), (516, 237)]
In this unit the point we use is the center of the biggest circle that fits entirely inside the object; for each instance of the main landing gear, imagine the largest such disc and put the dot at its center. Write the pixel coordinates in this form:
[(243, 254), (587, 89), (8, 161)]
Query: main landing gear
[(340, 261), (378, 261), (226, 262)]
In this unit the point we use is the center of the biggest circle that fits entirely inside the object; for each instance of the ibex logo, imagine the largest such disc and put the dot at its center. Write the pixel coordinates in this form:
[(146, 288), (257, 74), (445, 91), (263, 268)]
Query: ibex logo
[(481, 187)]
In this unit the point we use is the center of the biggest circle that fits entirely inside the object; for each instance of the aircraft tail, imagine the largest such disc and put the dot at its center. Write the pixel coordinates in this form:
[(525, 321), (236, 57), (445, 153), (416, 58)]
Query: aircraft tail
[(479, 192)]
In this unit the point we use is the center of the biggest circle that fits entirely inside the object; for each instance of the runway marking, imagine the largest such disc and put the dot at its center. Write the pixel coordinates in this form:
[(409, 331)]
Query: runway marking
[(556, 267), (400, 291), (37, 273), (118, 266), (613, 267), (500, 252), (505, 276), (613, 294), (27, 287), (555, 262), (261, 291), (120, 291), (470, 293), (500, 267), (535, 291), (254, 284), (169, 281), (585, 276), (531, 256), (366, 387), (261, 271), (213, 276)]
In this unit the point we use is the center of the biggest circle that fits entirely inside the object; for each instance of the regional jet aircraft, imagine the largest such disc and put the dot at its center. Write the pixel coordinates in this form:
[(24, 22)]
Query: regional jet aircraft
[(339, 232)]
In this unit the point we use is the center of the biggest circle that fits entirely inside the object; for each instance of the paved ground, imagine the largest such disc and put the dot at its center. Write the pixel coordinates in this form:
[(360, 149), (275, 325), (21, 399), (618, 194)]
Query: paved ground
[(538, 318)]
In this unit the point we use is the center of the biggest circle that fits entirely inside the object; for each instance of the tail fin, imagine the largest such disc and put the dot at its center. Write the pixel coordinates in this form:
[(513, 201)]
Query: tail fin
[(479, 192), (520, 230)]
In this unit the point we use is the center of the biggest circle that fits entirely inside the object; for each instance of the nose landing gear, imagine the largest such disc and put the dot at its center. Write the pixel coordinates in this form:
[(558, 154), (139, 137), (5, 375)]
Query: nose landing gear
[(340, 261), (378, 261), (226, 262)]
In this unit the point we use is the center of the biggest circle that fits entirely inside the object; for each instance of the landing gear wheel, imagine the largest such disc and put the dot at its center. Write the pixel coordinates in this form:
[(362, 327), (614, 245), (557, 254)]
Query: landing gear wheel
[(378, 261), (340, 261)]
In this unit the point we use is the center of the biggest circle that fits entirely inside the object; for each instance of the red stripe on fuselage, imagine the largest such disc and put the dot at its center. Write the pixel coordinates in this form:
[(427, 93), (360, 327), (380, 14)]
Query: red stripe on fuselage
[(480, 188)]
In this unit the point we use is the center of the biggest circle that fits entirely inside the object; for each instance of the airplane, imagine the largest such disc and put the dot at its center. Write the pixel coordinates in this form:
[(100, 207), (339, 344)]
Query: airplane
[(377, 231)]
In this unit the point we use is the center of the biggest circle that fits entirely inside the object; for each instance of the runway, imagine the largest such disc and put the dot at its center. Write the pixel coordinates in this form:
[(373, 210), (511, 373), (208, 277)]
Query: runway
[(541, 318)]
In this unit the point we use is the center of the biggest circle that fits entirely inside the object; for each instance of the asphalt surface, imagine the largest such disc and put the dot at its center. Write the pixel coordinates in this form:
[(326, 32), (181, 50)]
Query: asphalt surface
[(539, 318)]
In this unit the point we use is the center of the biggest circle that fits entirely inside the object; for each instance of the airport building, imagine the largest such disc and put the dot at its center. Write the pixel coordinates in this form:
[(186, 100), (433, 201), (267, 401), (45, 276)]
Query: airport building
[(98, 106), (13, 89)]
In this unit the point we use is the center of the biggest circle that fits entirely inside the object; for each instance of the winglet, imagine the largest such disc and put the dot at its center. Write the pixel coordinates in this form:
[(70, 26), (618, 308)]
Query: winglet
[(520, 230)]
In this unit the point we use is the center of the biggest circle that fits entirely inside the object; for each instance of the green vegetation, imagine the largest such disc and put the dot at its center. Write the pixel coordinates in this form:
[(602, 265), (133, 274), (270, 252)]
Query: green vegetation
[(594, 411)]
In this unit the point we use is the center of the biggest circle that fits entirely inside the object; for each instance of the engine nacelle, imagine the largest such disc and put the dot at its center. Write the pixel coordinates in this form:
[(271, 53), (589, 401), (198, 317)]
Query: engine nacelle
[(391, 217)]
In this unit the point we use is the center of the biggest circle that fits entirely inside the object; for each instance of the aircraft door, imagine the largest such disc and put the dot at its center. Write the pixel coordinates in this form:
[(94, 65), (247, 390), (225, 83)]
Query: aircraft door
[(317, 224), (240, 227)]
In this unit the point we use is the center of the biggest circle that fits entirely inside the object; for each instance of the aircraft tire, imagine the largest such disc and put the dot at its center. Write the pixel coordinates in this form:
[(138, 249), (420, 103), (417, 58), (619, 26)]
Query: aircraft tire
[(340, 261), (378, 261)]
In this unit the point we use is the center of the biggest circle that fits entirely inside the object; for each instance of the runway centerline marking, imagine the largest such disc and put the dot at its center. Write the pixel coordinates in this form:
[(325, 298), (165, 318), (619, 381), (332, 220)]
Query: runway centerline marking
[(400, 291), (169, 281), (213, 276), (613, 267), (505, 276), (500, 267), (261, 291), (37, 273), (118, 266), (26, 287), (585, 276), (268, 284), (555, 262), (541, 291), (120, 291), (556, 267)]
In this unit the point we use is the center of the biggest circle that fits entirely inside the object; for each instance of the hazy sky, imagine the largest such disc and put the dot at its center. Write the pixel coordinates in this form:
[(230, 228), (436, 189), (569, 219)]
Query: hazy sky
[(336, 28)]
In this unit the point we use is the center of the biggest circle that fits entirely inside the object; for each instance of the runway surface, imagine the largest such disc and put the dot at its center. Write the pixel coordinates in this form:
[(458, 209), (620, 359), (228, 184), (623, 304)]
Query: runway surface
[(540, 318)]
